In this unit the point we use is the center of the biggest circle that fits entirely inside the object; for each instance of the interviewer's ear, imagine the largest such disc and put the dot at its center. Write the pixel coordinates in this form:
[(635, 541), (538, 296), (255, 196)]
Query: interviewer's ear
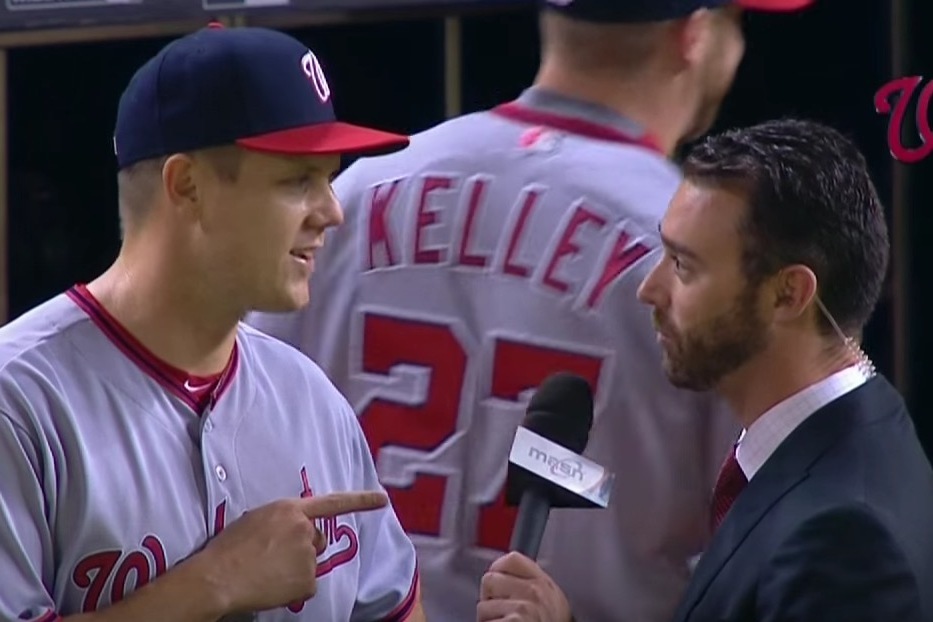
[(794, 290)]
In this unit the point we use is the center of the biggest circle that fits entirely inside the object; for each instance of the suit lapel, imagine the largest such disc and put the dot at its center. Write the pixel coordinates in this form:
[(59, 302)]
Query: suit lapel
[(759, 496), (786, 468)]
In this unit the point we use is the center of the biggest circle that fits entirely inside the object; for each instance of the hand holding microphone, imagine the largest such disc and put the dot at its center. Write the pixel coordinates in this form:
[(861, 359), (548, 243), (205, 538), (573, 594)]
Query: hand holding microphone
[(545, 470), (516, 589)]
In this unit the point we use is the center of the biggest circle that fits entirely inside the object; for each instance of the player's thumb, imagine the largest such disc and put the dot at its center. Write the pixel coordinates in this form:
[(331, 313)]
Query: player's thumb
[(339, 503)]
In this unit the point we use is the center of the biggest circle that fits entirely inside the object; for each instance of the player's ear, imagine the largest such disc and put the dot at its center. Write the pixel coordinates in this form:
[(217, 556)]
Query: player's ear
[(794, 289), (180, 181), (694, 36)]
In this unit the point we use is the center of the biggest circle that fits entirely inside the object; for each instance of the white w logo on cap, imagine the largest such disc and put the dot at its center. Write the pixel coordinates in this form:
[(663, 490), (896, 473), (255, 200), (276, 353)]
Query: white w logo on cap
[(315, 73)]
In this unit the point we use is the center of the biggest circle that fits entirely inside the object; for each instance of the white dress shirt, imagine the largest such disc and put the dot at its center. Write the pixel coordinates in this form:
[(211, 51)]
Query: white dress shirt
[(762, 438)]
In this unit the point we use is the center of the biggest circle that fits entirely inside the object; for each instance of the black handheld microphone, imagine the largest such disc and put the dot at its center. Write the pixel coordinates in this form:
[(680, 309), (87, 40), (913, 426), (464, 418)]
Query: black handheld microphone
[(561, 411)]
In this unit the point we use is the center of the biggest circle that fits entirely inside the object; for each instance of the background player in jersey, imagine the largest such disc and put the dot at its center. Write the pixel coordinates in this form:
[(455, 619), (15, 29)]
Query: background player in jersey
[(139, 420), (508, 244)]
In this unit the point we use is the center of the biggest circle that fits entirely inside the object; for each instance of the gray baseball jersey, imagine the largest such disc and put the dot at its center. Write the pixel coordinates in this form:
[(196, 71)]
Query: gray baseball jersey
[(500, 247), (116, 466)]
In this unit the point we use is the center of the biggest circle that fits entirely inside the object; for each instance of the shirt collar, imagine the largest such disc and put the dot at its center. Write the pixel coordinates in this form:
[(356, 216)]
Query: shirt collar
[(764, 436)]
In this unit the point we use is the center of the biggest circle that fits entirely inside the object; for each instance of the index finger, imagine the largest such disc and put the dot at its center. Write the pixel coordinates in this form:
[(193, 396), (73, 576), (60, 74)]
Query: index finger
[(338, 503)]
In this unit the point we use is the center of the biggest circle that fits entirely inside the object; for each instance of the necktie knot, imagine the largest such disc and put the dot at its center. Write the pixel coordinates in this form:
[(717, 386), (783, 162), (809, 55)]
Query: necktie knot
[(729, 484)]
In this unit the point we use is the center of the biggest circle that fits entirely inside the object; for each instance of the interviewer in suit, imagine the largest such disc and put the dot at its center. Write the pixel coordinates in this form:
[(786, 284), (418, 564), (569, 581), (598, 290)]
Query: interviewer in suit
[(775, 253)]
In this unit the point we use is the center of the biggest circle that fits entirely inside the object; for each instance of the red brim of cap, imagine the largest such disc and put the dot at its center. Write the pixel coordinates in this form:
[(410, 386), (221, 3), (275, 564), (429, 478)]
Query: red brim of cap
[(774, 5), (332, 138)]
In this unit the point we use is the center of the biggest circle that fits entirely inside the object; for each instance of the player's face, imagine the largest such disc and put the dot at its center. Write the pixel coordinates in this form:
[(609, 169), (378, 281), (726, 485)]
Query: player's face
[(706, 313), (267, 225), (717, 69)]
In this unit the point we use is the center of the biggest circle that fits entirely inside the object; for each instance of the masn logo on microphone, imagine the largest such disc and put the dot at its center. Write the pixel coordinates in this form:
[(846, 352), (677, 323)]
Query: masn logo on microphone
[(567, 468), (559, 465)]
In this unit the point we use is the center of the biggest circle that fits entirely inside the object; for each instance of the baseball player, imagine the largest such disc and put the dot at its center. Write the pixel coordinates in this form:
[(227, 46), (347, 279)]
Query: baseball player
[(508, 244), (160, 460)]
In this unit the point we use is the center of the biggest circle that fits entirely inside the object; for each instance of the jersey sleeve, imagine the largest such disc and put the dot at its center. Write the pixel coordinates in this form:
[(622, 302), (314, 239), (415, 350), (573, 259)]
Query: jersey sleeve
[(388, 581), (25, 538)]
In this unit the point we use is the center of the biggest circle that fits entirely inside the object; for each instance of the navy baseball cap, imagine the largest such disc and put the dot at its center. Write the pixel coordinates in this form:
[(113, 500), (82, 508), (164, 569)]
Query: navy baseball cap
[(254, 87), (658, 10)]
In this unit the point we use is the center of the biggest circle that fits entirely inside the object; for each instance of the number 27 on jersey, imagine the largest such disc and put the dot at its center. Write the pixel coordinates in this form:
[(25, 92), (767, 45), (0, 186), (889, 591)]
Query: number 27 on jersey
[(456, 381)]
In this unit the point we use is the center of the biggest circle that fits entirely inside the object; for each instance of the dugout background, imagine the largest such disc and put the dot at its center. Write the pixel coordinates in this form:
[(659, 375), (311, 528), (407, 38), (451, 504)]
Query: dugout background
[(824, 64)]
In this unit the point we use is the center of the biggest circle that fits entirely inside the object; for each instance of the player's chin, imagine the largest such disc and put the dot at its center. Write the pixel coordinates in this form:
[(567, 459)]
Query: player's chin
[(292, 297), (299, 297)]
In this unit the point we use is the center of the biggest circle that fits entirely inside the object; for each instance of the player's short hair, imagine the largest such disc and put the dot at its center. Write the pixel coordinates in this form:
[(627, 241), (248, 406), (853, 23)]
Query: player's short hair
[(224, 160), (618, 46), (810, 201), (138, 183), (137, 186), (589, 46)]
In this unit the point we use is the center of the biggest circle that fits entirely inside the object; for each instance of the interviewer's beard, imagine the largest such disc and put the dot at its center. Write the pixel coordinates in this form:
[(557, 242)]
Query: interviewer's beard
[(699, 357)]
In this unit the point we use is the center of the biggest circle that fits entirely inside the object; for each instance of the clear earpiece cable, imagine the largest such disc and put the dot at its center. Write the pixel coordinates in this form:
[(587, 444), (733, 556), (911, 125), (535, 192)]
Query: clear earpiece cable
[(865, 364)]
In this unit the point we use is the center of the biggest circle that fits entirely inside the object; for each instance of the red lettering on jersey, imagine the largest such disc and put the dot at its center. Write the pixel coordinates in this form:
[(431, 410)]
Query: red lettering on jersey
[(428, 217), (345, 554), (568, 247), (305, 484), (333, 534), (155, 548), (327, 525), (94, 571), (92, 574), (476, 197), (509, 266), (623, 255), (136, 563), (382, 199)]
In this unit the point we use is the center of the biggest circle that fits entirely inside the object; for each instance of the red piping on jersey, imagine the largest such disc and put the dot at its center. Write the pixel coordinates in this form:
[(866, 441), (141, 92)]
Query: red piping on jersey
[(407, 606), (159, 370), (573, 125), (50, 616)]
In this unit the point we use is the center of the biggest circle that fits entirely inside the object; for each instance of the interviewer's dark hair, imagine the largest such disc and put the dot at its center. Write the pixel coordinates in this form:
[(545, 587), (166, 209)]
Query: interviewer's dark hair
[(811, 201)]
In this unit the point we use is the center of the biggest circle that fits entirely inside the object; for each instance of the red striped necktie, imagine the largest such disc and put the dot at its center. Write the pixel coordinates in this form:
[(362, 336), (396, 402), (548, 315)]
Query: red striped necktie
[(729, 484)]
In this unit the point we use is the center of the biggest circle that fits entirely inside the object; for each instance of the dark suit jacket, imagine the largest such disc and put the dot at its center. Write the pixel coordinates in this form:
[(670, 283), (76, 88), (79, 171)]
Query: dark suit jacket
[(837, 526)]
